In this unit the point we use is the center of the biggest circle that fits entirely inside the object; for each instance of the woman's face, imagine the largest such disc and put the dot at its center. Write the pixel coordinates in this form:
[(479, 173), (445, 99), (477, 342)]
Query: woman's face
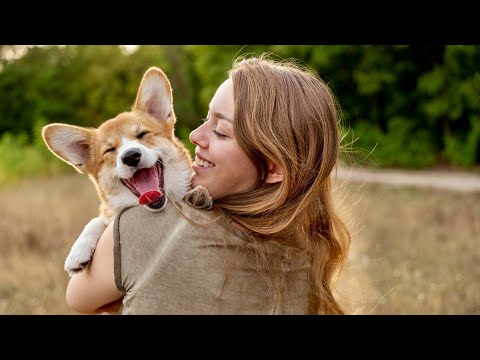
[(220, 164)]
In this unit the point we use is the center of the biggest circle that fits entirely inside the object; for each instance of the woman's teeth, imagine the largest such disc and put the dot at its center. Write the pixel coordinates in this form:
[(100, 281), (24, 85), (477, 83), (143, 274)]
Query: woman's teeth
[(203, 163)]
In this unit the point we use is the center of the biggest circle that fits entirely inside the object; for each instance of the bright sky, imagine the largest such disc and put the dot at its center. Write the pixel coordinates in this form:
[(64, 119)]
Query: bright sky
[(130, 48), (18, 51)]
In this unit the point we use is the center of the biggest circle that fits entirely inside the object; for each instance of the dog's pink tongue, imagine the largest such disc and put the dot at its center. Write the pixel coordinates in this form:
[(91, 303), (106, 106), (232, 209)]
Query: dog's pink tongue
[(149, 197), (147, 184)]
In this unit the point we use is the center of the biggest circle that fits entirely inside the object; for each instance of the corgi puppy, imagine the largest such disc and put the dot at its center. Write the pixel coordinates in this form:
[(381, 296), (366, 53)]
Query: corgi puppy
[(133, 159)]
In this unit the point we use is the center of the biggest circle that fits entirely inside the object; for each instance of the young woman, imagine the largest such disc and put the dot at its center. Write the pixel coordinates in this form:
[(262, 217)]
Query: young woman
[(273, 242)]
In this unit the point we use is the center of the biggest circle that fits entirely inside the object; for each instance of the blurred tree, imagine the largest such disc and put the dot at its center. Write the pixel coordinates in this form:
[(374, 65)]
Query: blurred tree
[(452, 94), (391, 96)]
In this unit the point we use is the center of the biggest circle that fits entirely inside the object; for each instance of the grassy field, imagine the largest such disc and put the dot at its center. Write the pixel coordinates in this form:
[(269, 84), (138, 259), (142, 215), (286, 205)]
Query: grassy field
[(414, 251)]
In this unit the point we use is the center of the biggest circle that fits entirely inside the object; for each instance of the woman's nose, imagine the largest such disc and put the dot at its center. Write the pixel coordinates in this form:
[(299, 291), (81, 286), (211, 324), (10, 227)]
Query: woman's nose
[(197, 137)]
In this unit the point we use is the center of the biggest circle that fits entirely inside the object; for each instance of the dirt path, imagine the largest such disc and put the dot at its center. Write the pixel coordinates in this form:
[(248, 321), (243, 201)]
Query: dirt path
[(439, 179)]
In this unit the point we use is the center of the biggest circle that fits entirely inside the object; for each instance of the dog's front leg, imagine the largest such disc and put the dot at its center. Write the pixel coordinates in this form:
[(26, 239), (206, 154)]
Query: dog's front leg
[(83, 248)]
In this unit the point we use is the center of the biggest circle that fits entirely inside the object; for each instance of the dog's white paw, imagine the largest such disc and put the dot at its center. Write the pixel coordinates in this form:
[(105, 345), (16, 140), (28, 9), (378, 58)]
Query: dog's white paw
[(78, 259), (82, 250)]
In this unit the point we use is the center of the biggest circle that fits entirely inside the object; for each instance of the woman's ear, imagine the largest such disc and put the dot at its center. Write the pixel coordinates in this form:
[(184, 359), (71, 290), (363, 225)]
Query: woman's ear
[(274, 174)]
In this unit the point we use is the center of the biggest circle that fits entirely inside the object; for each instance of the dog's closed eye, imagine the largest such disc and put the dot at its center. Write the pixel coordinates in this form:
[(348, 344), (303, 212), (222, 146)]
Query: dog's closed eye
[(142, 134)]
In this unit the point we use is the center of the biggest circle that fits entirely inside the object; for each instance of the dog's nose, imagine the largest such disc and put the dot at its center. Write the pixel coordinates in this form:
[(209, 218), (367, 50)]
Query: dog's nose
[(131, 157)]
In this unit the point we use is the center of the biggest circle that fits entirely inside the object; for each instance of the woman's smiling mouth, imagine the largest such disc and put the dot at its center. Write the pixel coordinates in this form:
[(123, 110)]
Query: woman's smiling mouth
[(199, 162)]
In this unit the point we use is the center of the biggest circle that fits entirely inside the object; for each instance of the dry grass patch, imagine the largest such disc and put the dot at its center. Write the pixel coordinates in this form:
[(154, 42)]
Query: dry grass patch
[(414, 251)]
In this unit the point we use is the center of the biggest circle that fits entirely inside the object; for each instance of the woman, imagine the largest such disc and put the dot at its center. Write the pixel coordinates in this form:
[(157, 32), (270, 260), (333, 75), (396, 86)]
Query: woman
[(272, 242)]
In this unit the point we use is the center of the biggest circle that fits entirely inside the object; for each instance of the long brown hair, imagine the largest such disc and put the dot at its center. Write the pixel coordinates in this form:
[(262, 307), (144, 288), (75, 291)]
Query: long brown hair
[(286, 113)]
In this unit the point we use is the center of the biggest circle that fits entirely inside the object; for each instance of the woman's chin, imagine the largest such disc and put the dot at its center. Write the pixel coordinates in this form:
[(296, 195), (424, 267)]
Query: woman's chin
[(197, 181)]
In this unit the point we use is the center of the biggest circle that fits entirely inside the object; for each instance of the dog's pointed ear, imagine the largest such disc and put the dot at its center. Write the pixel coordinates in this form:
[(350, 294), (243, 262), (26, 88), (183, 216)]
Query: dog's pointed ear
[(70, 143), (154, 95)]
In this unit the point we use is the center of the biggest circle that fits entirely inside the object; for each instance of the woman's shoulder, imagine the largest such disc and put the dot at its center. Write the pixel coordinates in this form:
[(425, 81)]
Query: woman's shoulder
[(173, 212)]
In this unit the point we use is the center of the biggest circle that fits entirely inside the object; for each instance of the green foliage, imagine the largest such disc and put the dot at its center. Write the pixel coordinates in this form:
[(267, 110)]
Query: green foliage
[(464, 151), (364, 139), (413, 103), (400, 146), (449, 98), (373, 73), (183, 134), (432, 82), (23, 158)]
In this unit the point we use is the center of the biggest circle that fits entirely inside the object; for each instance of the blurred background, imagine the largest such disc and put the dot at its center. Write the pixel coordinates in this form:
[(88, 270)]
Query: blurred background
[(415, 250)]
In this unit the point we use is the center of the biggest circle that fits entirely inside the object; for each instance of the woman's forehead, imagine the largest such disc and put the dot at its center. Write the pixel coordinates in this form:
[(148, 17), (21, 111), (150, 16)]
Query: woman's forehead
[(223, 100)]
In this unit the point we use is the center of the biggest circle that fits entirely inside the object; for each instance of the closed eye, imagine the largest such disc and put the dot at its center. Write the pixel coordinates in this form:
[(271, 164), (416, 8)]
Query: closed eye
[(142, 134), (217, 134), (108, 150)]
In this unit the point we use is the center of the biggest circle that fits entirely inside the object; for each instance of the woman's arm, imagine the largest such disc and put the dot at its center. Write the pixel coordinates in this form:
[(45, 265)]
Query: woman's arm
[(91, 289)]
